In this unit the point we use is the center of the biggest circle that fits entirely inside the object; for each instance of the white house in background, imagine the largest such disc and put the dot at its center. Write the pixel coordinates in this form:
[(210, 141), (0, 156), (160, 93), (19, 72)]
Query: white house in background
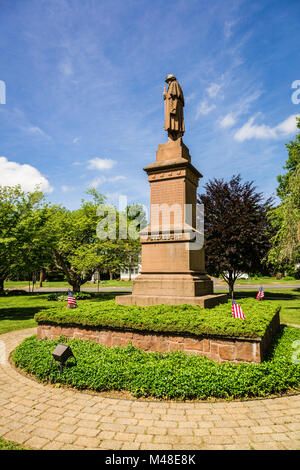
[(130, 273), (241, 275)]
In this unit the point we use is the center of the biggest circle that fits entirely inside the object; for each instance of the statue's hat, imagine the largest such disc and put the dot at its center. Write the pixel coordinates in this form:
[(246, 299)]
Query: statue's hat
[(169, 77)]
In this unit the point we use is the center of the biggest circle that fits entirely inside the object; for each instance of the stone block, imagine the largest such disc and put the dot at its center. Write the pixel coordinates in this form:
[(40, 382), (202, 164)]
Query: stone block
[(214, 348), (206, 301), (245, 351), (226, 352), (194, 344)]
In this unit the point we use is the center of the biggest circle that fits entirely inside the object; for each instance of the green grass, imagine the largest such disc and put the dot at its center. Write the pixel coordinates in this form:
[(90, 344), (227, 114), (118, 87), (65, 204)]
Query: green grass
[(174, 375), (17, 312), (54, 284), (9, 445), (288, 299), (175, 319), (118, 283), (268, 280)]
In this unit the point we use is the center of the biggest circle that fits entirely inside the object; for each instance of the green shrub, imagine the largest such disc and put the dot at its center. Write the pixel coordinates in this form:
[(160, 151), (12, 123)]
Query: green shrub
[(174, 375), (186, 319), (63, 297)]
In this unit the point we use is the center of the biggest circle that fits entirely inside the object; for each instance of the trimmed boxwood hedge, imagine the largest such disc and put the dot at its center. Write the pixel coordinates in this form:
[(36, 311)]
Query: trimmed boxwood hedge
[(174, 375), (181, 319)]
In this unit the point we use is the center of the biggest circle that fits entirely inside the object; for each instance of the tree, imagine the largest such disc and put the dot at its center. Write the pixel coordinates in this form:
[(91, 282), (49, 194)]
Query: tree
[(290, 165), (22, 216), (136, 221), (76, 246), (286, 219), (73, 242), (236, 228)]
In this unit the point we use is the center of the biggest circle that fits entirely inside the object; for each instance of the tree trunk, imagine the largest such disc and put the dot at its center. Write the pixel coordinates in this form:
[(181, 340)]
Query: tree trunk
[(231, 282), (129, 274), (2, 285), (76, 286), (75, 283), (41, 277), (111, 275)]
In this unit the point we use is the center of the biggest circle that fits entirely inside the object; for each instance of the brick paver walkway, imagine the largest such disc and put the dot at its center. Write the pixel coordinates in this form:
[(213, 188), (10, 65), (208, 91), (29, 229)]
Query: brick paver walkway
[(43, 417)]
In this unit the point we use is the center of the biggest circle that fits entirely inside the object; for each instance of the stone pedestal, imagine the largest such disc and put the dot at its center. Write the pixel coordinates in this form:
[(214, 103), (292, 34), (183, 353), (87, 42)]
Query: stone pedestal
[(173, 267)]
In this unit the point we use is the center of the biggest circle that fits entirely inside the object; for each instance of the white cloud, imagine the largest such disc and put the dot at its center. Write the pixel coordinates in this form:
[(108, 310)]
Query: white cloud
[(13, 173), (204, 108), (101, 164), (76, 140), (227, 121), (102, 179), (213, 90), (66, 188), (190, 97), (35, 131), (228, 27), (253, 131), (97, 181), (288, 126), (66, 68), (239, 108)]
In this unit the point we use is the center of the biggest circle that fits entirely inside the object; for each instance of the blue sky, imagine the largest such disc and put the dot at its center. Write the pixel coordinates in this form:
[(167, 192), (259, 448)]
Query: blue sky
[(84, 82)]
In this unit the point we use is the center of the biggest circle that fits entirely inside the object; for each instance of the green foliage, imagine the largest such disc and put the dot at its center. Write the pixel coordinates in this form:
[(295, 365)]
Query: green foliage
[(22, 218), (73, 241), (64, 297), (237, 229), (291, 164), (286, 219), (165, 376), (78, 249), (167, 318)]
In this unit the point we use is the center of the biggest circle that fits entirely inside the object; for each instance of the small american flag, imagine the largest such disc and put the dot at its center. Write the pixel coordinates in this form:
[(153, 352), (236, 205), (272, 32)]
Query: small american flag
[(71, 300), (260, 293), (237, 312)]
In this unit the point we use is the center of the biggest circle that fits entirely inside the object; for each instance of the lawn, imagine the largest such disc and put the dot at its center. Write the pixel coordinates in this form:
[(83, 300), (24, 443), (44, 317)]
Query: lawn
[(17, 312), (269, 280), (22, 284), (288, 299)]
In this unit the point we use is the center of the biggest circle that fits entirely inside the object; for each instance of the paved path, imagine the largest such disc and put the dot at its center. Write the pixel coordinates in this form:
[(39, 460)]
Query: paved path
[(43, 417)]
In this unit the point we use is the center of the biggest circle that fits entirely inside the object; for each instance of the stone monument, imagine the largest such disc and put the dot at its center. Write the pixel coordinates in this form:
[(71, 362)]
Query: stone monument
[(173, 267)]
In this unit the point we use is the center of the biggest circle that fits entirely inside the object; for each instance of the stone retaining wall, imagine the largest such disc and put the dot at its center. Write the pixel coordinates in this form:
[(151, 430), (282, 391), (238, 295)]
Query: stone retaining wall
[(214, 347)]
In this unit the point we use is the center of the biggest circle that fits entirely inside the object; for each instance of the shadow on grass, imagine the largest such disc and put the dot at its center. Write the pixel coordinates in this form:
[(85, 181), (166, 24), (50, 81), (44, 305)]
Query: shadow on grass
[(275, 341), (19, 313), (106, 296), (269, 295)]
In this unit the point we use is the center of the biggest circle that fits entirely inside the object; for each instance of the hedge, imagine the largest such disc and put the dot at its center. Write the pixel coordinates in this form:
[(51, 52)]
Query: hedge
[(184, 319), (174, 375)]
